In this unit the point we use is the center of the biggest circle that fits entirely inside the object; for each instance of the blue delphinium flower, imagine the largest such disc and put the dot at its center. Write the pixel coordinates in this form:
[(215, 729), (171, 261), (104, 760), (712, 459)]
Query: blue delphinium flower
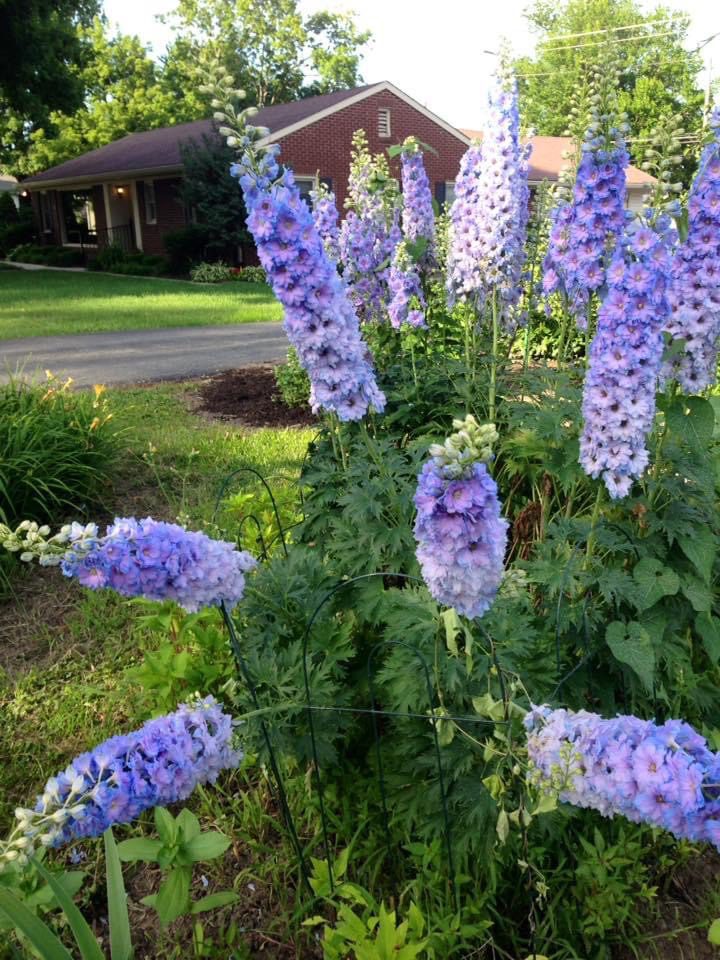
[(660, 774), (460, 534), (161, 561), (625, 357), (695, 289), (319, 318), (326, 216), (367, 247), (418, 217), (159, 764), (407, 300), (558, 245), (494, 229)]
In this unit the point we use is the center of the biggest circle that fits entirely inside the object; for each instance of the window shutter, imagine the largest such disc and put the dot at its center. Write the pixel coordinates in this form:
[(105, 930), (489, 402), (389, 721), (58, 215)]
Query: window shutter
[(440, 192)]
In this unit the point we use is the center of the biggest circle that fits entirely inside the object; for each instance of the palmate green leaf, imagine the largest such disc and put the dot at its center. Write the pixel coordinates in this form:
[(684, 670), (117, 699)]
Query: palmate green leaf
[(709, 629), (653, 581), (630, 644), (84, 937), (38, 933), (700, 547)]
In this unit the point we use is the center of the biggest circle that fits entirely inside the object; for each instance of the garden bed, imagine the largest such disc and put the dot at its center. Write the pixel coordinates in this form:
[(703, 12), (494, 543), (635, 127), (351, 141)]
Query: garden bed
[(248, 397)]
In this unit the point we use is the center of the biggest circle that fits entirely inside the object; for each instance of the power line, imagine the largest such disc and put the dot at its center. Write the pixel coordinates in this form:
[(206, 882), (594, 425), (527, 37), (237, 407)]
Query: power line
[(630, 26), (610, 43)]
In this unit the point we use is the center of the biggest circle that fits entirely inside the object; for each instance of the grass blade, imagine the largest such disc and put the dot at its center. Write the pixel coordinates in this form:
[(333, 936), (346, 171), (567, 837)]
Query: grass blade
[(37, 932), (84, 937), (120, 936)]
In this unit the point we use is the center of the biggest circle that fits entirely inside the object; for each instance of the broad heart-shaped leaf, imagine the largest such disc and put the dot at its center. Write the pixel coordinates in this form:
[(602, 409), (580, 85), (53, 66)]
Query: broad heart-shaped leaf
[(37, 932), (692, 419), (653, 581), (700, 547), (213, 901), (173, 897), (709, 629), (698, 593), (630, 644), (206, 846), (139, 848)]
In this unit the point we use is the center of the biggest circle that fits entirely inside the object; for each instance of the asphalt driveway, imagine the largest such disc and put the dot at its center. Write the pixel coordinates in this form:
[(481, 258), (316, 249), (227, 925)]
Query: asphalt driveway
[(137, 356)]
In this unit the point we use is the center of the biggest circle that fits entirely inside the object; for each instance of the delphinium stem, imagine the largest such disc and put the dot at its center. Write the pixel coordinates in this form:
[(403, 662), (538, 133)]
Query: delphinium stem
[(493, 360), (593, 522)]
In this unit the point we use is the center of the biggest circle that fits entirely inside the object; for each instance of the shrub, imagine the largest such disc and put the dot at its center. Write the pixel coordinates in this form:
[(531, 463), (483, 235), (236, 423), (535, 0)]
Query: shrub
[(47, 256), (292, 382), (185, 247), (16, 226), (56, 450), (211, 272), (249, 274)]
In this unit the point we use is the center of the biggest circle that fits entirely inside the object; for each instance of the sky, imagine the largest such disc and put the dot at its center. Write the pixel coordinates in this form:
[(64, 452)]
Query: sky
[(431, 49)]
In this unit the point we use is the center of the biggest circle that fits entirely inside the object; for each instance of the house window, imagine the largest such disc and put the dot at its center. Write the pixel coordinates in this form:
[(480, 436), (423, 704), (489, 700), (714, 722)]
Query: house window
[(449, 193), (150, 202), (305, 185), (78, 216), (384, 122)]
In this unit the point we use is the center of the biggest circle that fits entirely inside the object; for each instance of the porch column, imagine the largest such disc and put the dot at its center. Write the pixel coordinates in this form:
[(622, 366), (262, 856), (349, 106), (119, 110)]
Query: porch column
[(106, 198), (136, 215)]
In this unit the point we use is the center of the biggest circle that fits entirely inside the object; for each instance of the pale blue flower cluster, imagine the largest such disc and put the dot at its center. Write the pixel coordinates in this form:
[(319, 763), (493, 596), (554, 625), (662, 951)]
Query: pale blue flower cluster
[(159, 561), (695, 289), (367, 247), (319, 318), (625, 358), (418, 217), (326, 216), (487, 241), (159, 764), (660, 774), (461, 537), (585, 233), (407, 299)]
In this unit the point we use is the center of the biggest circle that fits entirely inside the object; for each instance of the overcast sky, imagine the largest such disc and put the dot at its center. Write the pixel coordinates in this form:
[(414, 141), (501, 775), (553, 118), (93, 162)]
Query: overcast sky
[(432, 50)]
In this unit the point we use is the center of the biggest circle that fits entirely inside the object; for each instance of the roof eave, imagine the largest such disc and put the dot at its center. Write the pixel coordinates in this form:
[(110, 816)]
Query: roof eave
[(91, 179)]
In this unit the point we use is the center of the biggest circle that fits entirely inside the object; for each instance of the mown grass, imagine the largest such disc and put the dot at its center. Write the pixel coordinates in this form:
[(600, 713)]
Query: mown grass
[(45, 302), (70, 692)]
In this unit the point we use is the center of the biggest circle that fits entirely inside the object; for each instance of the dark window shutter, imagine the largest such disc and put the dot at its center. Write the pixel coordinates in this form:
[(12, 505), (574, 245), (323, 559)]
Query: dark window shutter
[(328, 182), (440, 192)]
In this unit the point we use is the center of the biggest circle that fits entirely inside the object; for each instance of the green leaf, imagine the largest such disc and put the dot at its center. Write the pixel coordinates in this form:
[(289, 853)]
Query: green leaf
[(630, 644), (120, 937), (709, 629), (700, 547), (653, 581), (213, 901), (207, 846), (698, 593), (37, 932), (714, 933), (166, 826), (140, 848), (453, 627), (173, 897), (84, 937), (502, 827), (189, 824), (692, 419)]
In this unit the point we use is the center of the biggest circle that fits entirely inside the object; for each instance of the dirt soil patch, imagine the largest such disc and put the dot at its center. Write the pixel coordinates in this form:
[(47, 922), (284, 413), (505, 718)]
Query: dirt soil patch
[(248, 397)]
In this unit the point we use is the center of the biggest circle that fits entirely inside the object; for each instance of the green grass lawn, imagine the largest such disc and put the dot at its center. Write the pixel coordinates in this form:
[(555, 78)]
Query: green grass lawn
[(44, 302)]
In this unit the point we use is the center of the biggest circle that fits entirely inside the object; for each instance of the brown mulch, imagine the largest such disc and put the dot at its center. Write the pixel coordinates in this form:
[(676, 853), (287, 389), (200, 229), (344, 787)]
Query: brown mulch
[(247, 397)]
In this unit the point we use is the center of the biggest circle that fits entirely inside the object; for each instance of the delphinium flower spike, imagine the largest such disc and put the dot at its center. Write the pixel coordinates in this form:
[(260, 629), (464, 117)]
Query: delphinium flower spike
[(139, 558), (660, 774), (159, 764), (407, 300), (418, 217), (460, 534), (319, 318), (326, 216), (695, 289)]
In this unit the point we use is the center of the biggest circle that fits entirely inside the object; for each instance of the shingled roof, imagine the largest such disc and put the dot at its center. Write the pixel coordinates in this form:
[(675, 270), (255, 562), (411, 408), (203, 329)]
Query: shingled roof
[(158, 151), (547, 160)]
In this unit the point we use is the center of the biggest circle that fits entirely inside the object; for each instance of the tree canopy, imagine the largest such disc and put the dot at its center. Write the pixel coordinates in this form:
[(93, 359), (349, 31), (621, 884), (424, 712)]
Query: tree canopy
[(659, 74)]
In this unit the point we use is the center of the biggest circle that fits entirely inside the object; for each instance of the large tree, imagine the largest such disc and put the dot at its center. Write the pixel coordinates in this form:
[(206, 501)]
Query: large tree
[(124, 93), (659, 75), (274, 52)]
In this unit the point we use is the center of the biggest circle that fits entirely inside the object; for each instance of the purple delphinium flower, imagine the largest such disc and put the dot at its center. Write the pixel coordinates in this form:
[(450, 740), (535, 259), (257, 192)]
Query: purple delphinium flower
[(625, 357), (695, 288), (585, 232), (407, 304), (161, 561), (326, 216), (367, 247), (319, 319), (159, 764), (460, 534), (489, 219), (661, 774), (418, 218)]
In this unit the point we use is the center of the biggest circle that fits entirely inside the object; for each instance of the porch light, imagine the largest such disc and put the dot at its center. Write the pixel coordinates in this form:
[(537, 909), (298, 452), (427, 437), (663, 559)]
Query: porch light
[(120, 191)]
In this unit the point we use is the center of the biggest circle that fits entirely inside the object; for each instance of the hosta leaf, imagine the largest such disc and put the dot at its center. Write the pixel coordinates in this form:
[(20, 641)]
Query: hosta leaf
[(630, 644)]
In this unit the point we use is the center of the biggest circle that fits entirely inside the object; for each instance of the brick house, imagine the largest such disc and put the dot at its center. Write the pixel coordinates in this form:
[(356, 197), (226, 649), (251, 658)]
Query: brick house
[(127, 191)]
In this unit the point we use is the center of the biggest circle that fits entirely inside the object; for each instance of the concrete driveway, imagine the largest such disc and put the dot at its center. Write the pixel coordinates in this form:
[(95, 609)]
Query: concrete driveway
[(137, 356)]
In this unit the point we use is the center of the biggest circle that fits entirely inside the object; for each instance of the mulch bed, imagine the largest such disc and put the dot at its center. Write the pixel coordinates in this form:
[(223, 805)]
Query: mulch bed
[(247, 397)]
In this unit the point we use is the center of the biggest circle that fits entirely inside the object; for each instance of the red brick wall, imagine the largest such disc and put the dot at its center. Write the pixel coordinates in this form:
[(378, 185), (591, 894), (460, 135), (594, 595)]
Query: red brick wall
[(170, 214), (324, 146)]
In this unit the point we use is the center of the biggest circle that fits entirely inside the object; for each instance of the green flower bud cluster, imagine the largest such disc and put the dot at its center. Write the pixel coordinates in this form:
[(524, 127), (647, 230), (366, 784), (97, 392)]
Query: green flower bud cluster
[(471, 443), (33, 542)]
